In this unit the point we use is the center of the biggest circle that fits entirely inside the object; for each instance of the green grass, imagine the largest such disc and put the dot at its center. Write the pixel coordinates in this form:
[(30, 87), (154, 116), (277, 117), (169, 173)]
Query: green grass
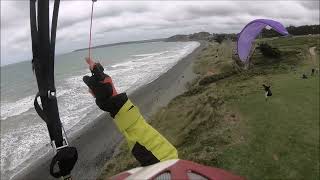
[(282, 134), (227, 123)]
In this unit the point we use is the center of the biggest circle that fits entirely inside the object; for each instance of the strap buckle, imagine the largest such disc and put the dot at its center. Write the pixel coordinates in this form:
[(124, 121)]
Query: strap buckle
[(51, 94), (56, 149), (64, 142)]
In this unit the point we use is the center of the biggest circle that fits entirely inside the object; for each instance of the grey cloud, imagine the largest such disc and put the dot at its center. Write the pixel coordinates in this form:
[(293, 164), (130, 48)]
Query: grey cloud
[(135, 20), (213, 10), (312, 5), (20, 14), (82, 12)]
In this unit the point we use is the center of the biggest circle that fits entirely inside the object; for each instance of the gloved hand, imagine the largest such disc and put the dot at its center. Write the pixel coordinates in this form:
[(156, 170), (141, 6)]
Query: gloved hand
[(102, 88), (66, 158)]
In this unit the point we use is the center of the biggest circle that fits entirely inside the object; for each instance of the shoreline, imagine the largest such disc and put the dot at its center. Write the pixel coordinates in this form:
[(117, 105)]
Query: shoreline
[(97, 141), (167, 86), (122, 43)]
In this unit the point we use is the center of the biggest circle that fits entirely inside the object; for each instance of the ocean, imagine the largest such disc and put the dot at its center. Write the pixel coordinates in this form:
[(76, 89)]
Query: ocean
[(24, 136)]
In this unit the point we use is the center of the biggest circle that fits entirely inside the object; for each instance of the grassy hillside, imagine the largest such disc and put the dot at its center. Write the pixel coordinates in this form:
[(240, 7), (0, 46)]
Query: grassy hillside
[(281, 139), (226, 122)]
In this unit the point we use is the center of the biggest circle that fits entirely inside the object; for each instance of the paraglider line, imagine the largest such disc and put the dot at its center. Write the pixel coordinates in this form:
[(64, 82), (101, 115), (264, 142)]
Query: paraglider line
[(90, 30)]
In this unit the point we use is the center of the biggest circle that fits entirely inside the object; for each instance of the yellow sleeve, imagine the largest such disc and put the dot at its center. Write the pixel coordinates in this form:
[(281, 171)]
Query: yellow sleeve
[(136, 130)]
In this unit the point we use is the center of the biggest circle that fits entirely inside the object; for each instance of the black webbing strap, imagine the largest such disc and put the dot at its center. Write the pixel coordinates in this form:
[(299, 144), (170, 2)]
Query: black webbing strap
[(53, 44), (43, 64)]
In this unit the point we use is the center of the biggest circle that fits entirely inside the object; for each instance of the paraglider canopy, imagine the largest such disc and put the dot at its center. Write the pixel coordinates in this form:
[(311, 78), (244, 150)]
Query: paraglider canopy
[(251, 31)]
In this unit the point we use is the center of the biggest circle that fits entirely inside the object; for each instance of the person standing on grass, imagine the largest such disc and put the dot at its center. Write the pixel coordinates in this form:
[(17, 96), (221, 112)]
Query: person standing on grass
[(312, 71), (267, 91)]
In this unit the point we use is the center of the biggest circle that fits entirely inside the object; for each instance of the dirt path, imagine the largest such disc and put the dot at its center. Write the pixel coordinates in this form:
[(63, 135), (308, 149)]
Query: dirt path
[(312, 51), (313, 55)]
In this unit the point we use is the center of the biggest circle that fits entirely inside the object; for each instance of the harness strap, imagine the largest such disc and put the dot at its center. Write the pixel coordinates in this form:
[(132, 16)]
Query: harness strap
[(39, 109), (43, 49), (34, 37), (44, 75), (51, 84)]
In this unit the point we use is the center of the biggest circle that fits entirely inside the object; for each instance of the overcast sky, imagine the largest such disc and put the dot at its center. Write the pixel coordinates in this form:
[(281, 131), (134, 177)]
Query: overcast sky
[(137, 20)]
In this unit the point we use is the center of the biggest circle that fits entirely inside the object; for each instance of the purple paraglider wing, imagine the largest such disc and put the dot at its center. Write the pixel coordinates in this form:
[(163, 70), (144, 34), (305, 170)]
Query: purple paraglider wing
[(251, 31)]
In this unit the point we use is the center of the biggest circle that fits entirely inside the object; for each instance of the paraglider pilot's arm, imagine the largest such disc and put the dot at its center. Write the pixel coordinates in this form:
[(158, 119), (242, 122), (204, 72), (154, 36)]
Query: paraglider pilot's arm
[(146, 144)]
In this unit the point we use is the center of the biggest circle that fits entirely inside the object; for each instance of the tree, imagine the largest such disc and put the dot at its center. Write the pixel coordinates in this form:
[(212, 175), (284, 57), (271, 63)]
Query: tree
[(300, 30), (219, 38)]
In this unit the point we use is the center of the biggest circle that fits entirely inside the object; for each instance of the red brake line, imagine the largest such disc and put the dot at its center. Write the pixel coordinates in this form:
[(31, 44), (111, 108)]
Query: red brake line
[(90, 30)]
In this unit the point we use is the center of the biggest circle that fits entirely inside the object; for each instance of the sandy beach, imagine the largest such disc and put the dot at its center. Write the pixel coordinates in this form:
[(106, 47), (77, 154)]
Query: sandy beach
[(97, 141)]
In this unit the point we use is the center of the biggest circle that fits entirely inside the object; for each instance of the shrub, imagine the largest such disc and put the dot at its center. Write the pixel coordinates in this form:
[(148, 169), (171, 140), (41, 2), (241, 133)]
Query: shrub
[(269, 51), (216, 77)]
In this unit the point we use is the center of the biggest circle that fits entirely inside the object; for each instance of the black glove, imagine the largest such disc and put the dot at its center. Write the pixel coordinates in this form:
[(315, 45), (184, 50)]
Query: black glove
[(102, 88), (66, 159)]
